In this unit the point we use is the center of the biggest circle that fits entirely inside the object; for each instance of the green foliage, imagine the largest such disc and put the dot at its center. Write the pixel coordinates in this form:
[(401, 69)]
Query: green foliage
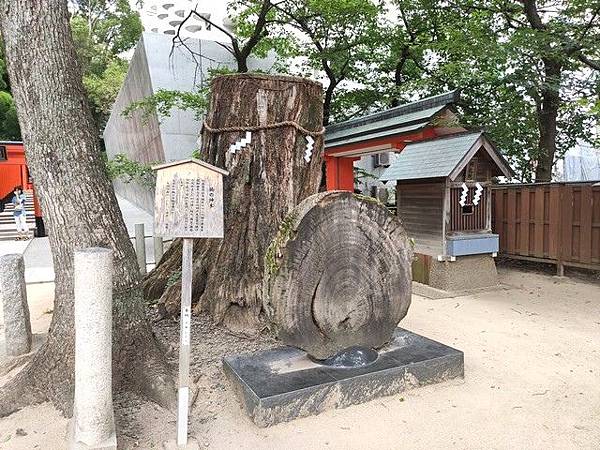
[(102, 31), (126, 170), (362, 175), (372, 55), (3, 72), (244, 15), (273, 253), (103, 89), (339, 38), (493, 52), (173, 279), (9, 124), (163, 102)]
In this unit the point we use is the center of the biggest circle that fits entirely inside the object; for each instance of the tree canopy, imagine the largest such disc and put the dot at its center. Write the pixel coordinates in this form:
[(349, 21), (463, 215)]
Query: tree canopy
[(529, 71), (103, 30), (9, 124)]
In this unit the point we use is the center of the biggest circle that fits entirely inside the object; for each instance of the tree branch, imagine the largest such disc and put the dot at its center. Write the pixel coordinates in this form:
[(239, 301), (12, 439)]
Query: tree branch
[(533, 15), (259, 31), (592, 64)]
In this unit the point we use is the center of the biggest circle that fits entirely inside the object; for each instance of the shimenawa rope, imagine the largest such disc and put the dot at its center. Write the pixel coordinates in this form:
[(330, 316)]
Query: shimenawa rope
[(270, 126)]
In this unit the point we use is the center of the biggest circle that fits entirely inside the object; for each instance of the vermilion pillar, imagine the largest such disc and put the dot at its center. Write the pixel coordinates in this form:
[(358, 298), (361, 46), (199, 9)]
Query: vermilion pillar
[(340, 173)]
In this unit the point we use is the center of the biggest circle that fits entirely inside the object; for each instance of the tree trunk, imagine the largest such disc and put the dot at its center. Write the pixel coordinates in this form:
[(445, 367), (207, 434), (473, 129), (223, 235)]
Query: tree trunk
[(327, 102), (79, 206), (399, 73), (338, 274), (268, 178), (547, 120)]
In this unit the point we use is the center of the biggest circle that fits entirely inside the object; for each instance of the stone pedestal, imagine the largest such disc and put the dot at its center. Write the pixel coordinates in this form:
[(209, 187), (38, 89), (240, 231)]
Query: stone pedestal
[(441, 279), (17, 325), (93, 425), (283, 384), (467, 272)]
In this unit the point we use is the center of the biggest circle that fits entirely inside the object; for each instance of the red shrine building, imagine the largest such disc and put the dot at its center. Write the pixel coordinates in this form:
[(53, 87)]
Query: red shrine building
[(386, 131), (13, 168), (443, 174), (14, 172)]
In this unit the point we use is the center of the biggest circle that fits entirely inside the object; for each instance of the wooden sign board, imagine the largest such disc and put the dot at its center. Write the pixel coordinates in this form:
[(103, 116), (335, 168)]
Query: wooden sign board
[(189, 200)]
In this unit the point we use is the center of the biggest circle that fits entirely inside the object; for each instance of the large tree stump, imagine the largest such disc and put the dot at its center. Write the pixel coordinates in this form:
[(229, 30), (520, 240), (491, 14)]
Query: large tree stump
[(267, 178), (338, 274)]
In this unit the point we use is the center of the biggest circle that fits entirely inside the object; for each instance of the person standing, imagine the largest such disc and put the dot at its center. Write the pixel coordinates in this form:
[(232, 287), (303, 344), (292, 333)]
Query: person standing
[(20, 214)]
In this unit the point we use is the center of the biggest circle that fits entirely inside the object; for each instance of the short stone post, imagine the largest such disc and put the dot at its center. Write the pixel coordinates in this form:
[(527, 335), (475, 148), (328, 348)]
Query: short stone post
[(17, 326), (158, 249), (140, 246), (93, 415)]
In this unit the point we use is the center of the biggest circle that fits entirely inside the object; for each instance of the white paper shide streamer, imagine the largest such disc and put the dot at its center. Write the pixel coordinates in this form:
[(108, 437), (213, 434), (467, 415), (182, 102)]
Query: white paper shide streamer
[(241, 143), (310, 145), (478, 192), (463, 195)]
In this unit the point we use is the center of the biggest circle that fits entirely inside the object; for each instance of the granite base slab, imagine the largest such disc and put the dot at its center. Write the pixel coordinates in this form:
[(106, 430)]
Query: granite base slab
[(283, 384)]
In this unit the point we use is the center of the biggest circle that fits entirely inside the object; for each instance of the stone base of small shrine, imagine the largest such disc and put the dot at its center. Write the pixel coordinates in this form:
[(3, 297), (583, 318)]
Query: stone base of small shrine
[(463, 275), (284, 384), (466, 273)]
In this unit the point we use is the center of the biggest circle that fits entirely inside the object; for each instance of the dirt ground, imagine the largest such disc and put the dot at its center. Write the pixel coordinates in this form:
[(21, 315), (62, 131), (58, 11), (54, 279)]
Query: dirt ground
[(532, 381)]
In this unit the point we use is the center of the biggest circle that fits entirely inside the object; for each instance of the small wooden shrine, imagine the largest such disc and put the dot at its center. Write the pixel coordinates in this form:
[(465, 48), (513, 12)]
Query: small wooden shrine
[(443, 193)]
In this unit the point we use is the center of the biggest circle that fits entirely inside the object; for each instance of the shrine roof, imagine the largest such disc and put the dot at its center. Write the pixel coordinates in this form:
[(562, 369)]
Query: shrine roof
[(401, 119), (193, 161), (443, 157)]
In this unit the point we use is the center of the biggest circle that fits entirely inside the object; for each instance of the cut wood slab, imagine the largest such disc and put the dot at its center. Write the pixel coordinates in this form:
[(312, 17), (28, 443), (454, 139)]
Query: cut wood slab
[(338, 274)]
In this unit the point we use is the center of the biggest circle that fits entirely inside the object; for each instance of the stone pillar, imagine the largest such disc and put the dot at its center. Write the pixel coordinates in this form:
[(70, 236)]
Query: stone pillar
[(93, 416), (158, 249), (140, 246), (17, 326)]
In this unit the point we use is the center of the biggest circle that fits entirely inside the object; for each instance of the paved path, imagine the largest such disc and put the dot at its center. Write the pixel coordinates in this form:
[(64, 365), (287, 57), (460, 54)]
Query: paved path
[(132, 215), (7, 247), (39, 267), (38, 256)]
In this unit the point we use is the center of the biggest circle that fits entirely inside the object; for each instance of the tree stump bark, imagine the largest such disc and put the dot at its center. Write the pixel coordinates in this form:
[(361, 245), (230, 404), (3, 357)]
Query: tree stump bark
[(268, 177), (338, 274)]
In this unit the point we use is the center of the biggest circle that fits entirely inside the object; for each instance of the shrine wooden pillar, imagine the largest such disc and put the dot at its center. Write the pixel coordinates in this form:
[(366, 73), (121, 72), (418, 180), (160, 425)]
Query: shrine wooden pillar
[(339, 173)]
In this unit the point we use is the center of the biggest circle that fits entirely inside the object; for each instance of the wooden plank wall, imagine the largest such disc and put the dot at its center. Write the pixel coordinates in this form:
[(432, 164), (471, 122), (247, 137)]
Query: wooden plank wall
[(557, 222), (420, 207)]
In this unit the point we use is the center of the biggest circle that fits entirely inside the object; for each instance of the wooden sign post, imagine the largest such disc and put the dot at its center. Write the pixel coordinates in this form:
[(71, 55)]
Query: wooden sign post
[(189, 205)]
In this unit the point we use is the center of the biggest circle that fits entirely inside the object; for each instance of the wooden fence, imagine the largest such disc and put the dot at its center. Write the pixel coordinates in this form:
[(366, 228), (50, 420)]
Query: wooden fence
[(549, 222)]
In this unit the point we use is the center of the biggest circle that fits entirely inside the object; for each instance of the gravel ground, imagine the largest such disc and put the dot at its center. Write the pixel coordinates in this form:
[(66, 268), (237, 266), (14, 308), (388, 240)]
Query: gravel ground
[(532, 371)]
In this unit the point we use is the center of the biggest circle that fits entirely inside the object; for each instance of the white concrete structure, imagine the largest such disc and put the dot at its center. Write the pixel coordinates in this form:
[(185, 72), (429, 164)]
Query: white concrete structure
[(582, 163), (370, 185), (156, 66), (17, 326), (93, 415), (165, 16)]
